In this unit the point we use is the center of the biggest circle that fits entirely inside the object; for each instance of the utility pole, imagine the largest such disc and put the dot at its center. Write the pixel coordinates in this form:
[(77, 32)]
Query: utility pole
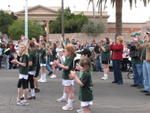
[(26, 20), (101, 11), (62, 19), (93, 5)]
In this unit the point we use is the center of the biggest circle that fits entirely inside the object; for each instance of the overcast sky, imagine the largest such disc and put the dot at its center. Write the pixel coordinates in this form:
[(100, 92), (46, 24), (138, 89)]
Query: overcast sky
[(139, 14)]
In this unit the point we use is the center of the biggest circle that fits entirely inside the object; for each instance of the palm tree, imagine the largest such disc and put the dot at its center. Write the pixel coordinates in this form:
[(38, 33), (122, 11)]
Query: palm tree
[(93, 6), (119, 5)]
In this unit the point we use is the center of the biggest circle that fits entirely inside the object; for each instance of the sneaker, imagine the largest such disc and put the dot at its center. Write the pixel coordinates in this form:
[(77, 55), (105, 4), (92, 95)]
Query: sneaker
[(37, 90), (67, 108), (50, 73), (24, 102), (32, 98), (22, 98), (80, 110), (61, 100), (104, 78), (144, 91), (39, 80), (42, 81), (113, 82), (19, 103), (53, 76)]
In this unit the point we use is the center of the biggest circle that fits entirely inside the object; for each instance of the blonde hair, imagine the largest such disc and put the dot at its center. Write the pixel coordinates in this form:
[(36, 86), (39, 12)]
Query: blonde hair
[(120, 38), (25, 51)]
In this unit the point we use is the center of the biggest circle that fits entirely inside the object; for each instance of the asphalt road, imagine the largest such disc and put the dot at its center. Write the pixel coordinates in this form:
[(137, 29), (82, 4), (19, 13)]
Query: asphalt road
[(108, 97)]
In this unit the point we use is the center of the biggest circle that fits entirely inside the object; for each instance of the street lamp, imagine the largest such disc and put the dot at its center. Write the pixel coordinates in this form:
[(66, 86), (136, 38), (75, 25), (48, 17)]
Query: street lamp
[(26, 20), (62, 19)]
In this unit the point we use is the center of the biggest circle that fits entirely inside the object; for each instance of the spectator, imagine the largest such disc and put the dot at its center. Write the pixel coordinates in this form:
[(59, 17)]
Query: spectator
[(1, 55), (117, 52), (6, 56), (146, 66), (135, 54), (97, 58)]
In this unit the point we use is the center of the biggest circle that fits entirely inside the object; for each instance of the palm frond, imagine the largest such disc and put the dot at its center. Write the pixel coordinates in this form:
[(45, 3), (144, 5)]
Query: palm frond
[(99, 2)]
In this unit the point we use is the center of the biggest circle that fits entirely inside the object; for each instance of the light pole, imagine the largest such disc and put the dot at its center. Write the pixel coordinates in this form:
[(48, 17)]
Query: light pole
[(62, 19), (26, 20)]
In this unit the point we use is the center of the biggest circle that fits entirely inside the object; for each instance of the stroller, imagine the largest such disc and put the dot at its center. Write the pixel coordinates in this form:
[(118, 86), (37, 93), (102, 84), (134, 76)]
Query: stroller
[(126, 66)]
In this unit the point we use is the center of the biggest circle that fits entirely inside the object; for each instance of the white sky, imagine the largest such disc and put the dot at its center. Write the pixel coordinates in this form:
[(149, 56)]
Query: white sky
[(139, 14)]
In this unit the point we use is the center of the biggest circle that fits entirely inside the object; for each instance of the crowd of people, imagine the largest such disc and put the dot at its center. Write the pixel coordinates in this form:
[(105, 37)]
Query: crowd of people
[(41, 58), (7, 50)]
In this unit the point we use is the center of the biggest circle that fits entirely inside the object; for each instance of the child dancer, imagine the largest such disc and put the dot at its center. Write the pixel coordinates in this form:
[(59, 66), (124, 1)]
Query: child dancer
[(32, 68), (37, 54), (43, 62), (85, 82), (67, 82), (23, 74), (53, 58)]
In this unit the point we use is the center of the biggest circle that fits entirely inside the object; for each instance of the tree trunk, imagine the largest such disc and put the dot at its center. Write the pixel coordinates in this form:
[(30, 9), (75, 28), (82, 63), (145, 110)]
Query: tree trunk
[(93, 5), (119, 4)]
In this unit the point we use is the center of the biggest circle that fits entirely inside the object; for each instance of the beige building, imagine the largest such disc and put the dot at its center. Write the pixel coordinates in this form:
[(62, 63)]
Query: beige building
[(43, 14), (46, 14)]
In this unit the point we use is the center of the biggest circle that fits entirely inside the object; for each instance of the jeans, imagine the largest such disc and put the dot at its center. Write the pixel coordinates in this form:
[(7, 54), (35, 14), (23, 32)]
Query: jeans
[(117, 71), (138, 74), (48, 67), (146, 75), (6, 60), (1, 57), (98, 64)]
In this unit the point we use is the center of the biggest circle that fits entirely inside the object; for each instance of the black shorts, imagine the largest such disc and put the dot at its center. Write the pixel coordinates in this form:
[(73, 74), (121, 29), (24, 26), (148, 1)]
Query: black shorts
[(105, 62), (22, 83), (37, 71), (30, 81)]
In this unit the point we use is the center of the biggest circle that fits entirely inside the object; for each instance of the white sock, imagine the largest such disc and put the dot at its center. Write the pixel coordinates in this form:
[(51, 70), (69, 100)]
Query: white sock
[(32, 92), (64, 95), (41, 77), (70, 102), (44, 76), (105, 75), (23, 96)]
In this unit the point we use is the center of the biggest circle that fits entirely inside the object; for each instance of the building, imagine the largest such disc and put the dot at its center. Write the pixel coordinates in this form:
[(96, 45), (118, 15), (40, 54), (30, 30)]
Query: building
[(47, 14)]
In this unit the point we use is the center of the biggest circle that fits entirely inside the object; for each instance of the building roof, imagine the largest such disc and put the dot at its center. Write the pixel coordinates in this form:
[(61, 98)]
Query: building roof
[(90, 13), (36, 7)]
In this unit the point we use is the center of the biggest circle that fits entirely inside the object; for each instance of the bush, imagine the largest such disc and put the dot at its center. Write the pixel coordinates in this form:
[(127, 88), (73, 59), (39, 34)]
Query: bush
[(93, 28), (72, 23), (6, 20), (17, 29)]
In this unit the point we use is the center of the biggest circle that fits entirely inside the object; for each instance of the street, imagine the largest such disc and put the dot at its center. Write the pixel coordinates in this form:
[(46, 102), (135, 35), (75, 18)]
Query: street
[(108, 97)]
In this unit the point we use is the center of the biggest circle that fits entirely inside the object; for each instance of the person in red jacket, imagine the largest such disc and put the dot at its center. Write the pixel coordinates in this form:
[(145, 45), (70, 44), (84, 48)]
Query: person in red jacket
[(117, 56)]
